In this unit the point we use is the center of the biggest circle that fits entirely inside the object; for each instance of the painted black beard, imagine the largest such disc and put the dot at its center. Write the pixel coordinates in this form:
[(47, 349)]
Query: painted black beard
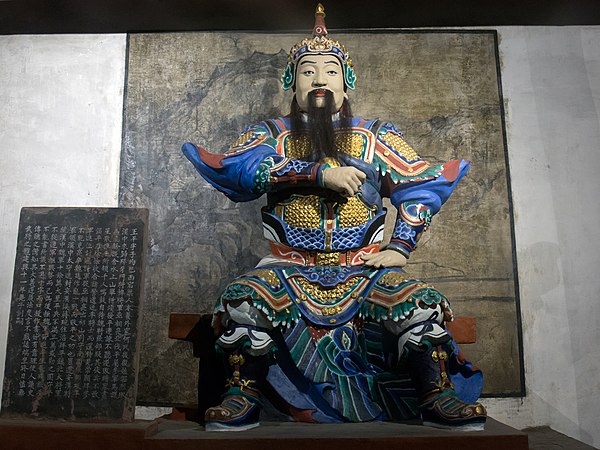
[(320, 127)]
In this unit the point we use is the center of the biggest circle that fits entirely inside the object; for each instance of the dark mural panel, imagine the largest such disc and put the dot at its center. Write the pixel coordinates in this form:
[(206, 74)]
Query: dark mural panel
[(73, 330), (440, 88)]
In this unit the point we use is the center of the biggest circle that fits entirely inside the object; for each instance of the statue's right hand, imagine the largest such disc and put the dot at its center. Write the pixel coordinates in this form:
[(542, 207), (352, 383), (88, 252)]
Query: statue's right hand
[(345, 180)]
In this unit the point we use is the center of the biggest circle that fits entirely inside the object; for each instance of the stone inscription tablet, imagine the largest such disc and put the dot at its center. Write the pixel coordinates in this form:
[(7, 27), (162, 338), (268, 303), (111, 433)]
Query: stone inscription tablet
[(73, 328)]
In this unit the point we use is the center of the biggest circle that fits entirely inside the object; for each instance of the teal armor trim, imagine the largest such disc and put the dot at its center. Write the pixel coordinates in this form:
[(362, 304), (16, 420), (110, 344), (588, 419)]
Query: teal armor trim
[(285, 295), (262, 182), (288, 78)]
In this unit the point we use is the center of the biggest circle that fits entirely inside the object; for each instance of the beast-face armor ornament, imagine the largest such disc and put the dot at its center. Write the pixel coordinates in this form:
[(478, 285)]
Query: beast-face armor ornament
[(333, 339)]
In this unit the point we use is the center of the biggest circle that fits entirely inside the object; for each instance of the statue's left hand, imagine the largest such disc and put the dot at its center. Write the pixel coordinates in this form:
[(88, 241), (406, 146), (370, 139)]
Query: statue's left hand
[(385, 258)]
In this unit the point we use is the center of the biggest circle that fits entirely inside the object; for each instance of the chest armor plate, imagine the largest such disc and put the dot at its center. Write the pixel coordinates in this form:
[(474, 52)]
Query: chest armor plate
[(356, 142), (311, 211)]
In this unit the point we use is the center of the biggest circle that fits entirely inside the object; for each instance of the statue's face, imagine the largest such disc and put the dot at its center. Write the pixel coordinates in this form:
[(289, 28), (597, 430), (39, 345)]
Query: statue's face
[(319, 73)]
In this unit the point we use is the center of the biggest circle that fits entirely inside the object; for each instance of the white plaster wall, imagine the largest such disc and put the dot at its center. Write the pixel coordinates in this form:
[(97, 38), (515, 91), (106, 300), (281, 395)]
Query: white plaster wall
[(551, 83), (60, 126), (61, 100)]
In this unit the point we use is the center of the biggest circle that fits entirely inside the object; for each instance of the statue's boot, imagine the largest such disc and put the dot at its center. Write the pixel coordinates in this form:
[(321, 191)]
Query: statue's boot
[(241, 405), (439, 403)]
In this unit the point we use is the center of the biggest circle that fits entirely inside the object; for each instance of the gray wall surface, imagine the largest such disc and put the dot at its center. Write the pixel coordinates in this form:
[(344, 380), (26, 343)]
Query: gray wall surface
[(60, 123), (60, 132), (551, 79)]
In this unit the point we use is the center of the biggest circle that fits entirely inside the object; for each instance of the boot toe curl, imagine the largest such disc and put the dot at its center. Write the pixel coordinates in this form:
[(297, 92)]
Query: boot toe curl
[(235, 413), (449, 412)]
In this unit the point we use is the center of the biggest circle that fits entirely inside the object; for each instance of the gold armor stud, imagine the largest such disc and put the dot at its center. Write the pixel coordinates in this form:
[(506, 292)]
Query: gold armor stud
[(330, 311), (331, 162), (297, 146), (268, 275), (392, 279), (303, 211), (352, 144), (327, 259), (353, 213), (322, 295), (236, 359), (439, 356), (400, 145)]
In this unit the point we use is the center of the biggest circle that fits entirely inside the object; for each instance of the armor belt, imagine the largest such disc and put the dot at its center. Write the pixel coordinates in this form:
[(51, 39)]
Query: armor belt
[(324, 239), (317, 258)]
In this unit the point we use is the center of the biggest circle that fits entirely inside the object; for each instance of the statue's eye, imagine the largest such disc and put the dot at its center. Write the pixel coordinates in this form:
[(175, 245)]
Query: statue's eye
[(308, 72), (332, 72)]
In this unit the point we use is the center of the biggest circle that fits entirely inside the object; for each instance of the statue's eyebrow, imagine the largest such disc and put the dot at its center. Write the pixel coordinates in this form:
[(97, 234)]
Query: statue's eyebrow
[(331, 61)]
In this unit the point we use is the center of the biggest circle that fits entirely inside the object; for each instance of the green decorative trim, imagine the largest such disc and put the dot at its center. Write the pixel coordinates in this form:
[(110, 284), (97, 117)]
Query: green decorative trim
[(426, 295), (349, 76), (288, 77), (320, 375), (239, 291), (382, 167), (426, 215), (299, 347), (346, 394), (429, 296), (262, 180), (328, 351)]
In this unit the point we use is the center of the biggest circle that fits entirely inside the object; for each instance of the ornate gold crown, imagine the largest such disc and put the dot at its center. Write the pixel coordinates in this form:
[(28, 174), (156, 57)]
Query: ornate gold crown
[(320, 44)]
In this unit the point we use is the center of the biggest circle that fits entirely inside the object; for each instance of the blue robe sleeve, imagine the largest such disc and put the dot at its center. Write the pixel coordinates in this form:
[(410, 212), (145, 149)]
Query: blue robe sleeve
[(251, 166), (418, 201), (415, 188)]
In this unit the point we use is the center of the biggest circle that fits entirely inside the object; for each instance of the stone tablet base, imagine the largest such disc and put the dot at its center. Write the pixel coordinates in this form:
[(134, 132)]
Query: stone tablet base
[(174, 435)]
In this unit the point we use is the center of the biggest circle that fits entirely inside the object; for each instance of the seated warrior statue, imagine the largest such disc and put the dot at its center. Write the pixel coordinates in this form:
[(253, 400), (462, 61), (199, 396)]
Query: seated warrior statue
[(329, 327)]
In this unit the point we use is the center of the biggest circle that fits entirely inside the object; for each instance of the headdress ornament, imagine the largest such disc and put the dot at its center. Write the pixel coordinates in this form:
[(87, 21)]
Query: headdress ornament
[(319, 44)]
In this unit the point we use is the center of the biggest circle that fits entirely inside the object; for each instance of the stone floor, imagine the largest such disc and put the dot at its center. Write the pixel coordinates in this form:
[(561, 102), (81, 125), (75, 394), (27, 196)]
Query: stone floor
[(165, 434), (544, 438), (540, 438)]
